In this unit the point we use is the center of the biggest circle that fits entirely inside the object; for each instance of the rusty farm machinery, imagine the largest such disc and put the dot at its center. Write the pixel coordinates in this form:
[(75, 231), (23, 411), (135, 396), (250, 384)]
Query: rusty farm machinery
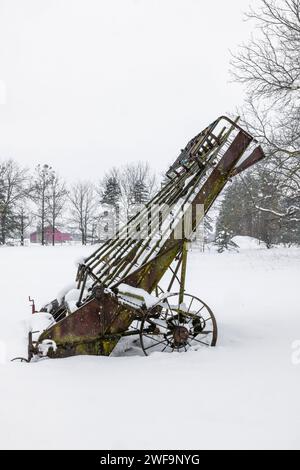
[(134, 284)]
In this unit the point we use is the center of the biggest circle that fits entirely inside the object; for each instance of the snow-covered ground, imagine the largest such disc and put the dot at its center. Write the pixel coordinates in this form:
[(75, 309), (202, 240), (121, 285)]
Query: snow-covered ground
[(242, 394)]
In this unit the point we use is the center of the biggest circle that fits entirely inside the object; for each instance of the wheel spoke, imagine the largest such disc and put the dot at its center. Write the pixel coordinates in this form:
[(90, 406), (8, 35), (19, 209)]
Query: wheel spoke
[(191, 303), (158, 324), (202, 342), (203, 306), (165, 347), (207, 319), (153, 339), (149, 347)]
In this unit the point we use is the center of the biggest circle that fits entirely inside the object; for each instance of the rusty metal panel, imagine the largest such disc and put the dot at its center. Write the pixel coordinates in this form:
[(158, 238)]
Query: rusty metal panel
[(256, 156), (81, 332)]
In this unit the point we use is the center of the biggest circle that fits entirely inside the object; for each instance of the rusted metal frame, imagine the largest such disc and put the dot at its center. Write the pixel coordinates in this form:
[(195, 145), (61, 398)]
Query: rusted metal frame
[(120, 266), (144, 246), (149, 221), (103, 248), (220, 139), (199, 146), (108, 266), (216, 138), (162, 194), (183, 272), (118, 244), (164, 200), (224, 141), (125, 333), (192, 185), (115, 318), (110, 245), (82, 286), (119, 256), (238, 157), (156, 246), (97, 252), (206, 133), (149, 274), (173, 198), (256, 156), (79, 275), (96, 261), (235, 124), (210, 143), (122, 243), (202, 148), (220, 175), (92, 320), (207, 194), (193, 144), (175, 272), (88, 272), (148, 225), (122, 250), (153, 249), (220, 135), (61, 316), (117, 271), (179, 211), (157, 289)]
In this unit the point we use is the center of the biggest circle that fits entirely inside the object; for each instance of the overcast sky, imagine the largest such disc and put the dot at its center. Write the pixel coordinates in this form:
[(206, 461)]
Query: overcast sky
[(88, 84)]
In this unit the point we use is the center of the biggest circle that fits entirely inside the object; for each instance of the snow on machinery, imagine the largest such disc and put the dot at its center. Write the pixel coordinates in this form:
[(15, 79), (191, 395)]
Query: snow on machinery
[(127, 286)]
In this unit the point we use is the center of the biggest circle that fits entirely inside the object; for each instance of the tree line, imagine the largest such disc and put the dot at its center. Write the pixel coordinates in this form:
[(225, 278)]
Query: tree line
[(41, 198)]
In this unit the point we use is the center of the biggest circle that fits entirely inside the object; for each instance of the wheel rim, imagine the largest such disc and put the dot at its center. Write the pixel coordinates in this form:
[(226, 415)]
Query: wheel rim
[(178, 327)]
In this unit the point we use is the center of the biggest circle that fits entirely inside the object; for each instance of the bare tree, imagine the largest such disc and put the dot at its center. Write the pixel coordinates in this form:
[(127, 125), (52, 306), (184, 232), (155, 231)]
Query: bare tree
[(23, 220), (269, 67), (56, 198), (83, 207), (40, 193), (13, 189), (138, 184)]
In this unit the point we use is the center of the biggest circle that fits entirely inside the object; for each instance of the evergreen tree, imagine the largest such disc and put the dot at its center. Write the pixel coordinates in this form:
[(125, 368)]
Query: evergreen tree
[(139, 193), (259, 205), (111, 191), (110, 194), (224, 240), (13, 190)]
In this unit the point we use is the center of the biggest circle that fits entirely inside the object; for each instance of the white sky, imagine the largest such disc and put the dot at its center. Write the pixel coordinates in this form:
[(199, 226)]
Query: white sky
[(89, 84)]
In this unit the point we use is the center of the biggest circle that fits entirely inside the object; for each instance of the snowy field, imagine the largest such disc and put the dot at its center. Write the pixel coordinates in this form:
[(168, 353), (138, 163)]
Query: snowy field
[(242, 394)]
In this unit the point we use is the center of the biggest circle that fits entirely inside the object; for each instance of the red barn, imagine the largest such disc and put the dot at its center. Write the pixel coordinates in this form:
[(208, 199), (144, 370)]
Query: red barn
[(59, 237)]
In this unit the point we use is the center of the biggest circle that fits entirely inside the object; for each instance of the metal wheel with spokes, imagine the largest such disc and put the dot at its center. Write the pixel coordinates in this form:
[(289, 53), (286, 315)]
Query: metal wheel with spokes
[(178, 326)]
